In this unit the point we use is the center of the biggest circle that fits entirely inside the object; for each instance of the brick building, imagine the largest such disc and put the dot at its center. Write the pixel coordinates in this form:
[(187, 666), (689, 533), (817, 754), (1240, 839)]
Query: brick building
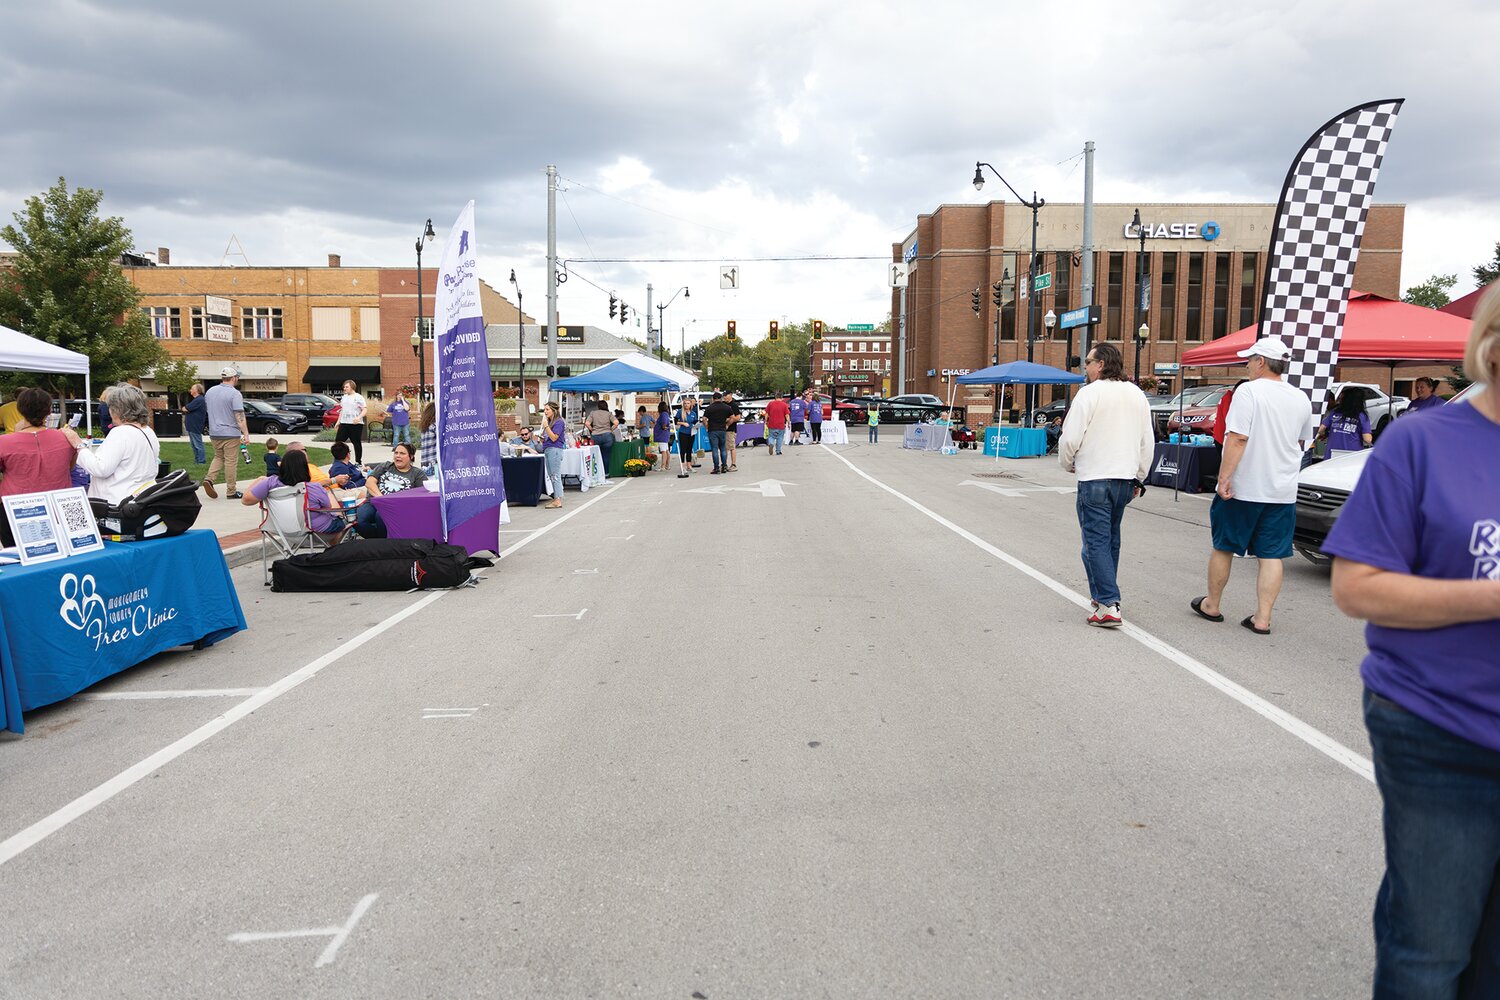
[(1204, 266), (853, 364), (296, 329)]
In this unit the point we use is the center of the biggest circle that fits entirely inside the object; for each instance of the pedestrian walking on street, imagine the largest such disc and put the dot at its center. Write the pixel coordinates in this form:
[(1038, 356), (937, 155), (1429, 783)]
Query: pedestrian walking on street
[(352, 408), (226, 430), (777, 412), (195, 422), (718, 417), (1254, 509), (1108, 441), (796, 409), (1417, 554)]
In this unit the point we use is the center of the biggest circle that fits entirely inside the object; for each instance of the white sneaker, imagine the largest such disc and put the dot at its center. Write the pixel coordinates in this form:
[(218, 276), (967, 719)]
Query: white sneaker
[(1106, 616)]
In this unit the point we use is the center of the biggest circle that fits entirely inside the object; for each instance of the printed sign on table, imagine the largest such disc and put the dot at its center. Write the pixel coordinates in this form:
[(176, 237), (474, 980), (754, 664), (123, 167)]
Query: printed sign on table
[(75, 520), (33, 528)]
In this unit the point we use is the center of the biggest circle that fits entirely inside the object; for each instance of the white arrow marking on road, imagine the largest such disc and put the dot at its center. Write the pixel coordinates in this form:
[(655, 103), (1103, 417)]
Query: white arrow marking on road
[(1017, 491), (766, 488), (339, 934)]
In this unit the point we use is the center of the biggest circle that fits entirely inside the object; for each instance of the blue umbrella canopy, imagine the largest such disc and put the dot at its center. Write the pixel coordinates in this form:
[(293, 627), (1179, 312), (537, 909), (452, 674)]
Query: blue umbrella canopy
[(1020, 373)]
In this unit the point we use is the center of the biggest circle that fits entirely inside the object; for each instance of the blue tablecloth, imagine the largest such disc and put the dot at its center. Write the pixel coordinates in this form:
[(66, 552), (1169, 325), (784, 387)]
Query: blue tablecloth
[(525, 479), (68, 624), (1016, 442)]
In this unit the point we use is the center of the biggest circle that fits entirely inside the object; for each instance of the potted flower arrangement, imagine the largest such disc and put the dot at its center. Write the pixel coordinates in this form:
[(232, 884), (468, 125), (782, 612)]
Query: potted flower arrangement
[(636, 466)]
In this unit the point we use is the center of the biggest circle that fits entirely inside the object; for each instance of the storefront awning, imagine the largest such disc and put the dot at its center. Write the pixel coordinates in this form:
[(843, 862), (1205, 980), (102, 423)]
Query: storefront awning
[(325, 374)]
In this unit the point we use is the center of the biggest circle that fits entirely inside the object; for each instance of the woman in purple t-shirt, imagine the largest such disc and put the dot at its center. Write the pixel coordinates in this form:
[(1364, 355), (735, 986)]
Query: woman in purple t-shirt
[(1345, 426), (554, 440), (1417, 554), (319, 507)]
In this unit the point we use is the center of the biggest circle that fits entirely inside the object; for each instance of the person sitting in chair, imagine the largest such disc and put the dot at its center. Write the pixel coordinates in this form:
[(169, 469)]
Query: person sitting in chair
[(386, 478), (322, 512), (1054, 432)]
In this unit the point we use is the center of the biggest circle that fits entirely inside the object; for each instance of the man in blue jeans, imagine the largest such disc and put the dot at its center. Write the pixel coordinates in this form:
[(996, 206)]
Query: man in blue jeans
[(718, 416), (1107, 440)]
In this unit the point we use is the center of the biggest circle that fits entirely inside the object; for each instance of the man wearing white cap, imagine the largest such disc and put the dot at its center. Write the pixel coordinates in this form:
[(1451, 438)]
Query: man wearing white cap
[(226, 429), (1255, 509)]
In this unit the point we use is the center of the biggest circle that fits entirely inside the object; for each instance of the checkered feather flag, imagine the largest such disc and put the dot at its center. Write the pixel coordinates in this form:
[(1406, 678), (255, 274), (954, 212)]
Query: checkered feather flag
[(1315, 241)]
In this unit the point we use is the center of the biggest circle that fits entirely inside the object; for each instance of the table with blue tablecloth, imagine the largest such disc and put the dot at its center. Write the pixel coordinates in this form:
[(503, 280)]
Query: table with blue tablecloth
[(1183, 466), (525, 479), (416, 513), (1015, 442), (68, 624)]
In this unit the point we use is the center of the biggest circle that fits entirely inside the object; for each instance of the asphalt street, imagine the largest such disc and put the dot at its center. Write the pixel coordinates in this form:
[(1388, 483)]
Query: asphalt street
[(829, 726)]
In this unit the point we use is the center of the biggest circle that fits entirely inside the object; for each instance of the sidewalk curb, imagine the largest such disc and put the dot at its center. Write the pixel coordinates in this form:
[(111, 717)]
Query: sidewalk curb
[(242, 555)]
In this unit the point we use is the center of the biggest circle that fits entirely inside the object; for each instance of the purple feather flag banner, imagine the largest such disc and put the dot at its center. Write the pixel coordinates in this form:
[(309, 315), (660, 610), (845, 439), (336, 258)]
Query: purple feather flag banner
[(1320, 221)]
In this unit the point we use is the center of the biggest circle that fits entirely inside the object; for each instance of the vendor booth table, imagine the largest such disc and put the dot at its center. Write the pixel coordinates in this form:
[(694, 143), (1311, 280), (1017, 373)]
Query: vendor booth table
[(834, 432), (1183, 466), (525, 479), (926, 437), (749, 433), (1015, 442), (416, 514), (583, 464), (622, 452), (68, 624)]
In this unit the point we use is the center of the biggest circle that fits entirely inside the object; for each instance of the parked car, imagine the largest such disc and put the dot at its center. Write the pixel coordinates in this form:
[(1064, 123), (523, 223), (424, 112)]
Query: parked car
[(856, 409), (916, 399), (911, 408), (263, 418), (1323, 488), (1042, 415), (1163, 407), (1200, 417), (331, 417), (311, 405)]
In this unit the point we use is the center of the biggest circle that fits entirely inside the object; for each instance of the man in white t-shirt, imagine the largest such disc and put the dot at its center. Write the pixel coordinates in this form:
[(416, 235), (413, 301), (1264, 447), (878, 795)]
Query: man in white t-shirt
[(1255, 509), (1107, 440)]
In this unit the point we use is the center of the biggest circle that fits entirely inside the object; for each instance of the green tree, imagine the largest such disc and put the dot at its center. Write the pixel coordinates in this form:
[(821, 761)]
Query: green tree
[(66, 286), (176, 375), (1488, 272), (1432, 293)]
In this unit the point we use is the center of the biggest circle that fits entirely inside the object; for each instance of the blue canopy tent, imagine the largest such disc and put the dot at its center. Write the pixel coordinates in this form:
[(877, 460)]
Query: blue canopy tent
[(1020, 373)]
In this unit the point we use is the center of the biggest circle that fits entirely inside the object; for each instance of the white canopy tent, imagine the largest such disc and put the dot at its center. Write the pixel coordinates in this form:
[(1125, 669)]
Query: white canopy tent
[(685, 380), (20, 353)]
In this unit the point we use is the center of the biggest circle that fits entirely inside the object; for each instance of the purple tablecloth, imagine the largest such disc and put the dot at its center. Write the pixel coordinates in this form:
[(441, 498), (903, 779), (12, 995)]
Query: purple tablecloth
[(415, 514), (749, 432)]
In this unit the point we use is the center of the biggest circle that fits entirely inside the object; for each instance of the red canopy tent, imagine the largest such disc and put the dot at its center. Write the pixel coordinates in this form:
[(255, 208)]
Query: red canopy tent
[(1466, 305), (1375, 329)]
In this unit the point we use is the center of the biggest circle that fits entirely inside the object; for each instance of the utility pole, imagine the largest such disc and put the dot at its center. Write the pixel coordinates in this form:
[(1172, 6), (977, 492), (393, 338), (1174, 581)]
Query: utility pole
[(1088, 242), (650, 338), (551, 275)]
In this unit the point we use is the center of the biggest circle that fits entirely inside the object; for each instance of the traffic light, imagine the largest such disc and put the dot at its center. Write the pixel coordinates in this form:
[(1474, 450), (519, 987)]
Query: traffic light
[(817, 329), (775, 330), (622, 314), (999, 296), (976, 300), (730, 332), (613, 306)]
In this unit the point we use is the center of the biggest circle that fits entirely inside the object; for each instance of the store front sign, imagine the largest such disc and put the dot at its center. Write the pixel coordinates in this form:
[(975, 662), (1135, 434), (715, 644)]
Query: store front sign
[(863, 378), (911, 253), (956, 371), (1208, 231)]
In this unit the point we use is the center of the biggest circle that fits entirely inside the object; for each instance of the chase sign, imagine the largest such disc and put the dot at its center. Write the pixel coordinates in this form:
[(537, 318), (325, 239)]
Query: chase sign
[(1208, 231)]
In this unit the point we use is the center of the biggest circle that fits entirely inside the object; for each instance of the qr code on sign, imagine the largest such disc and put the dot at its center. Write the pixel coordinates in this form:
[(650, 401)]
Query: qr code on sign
[(76, 519)]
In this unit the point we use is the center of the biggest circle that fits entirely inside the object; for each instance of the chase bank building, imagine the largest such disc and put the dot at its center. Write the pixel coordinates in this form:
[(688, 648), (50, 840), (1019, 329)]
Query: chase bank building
[(1198, 279)]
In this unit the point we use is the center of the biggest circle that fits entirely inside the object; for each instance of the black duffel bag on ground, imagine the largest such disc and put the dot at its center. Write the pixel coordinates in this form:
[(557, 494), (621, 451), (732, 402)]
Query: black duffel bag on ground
[(166, 507), (377, 564)]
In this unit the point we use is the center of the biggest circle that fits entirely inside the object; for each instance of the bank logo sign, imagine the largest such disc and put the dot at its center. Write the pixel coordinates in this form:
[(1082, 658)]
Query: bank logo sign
[(1208, 231)]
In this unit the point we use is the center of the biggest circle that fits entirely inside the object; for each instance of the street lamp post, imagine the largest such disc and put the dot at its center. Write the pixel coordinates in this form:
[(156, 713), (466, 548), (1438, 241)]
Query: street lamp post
[(1049, 323), (1034, 204), (1141, 305), (661, 310), (521, 345), (427, 237)]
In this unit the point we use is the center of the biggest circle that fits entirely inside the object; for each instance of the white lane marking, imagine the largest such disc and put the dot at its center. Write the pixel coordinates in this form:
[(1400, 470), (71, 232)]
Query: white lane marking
[(517, 531), (449, 715), (578, 617), (619, 538), (569, 515), (1017, 491), (153, 695), (338, 934), (585, 572), (1314, 738), (43, 828), (627, 520)]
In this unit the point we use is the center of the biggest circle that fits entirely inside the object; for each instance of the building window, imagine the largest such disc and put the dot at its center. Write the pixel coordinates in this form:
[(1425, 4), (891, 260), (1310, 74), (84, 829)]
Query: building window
[(195, 319), (1195, 297), (1221, 295), (828, 364), (1115, 294), (1062, 281), (1247, 290), (1166, 305), (426, 327), (166, 321), (260, 323)]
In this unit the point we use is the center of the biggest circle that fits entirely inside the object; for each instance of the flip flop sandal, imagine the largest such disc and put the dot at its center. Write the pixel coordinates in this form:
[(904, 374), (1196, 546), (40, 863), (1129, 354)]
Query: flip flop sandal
[(1249, 623), (1197, 606)]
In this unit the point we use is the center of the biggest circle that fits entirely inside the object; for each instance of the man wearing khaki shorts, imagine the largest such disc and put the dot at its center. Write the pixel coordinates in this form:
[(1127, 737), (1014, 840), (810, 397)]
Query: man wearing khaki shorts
[(227, 430)]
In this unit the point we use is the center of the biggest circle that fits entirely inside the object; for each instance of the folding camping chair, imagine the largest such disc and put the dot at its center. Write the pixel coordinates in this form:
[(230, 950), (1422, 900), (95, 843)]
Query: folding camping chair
[(284, 525)]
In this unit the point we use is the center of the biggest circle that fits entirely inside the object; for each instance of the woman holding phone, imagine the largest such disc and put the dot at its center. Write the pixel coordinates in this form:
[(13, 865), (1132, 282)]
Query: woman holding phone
[(554, 440)]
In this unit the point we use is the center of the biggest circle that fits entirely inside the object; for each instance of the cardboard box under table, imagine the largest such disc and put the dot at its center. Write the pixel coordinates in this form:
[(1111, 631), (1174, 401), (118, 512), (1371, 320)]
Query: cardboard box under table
[(67, 624)]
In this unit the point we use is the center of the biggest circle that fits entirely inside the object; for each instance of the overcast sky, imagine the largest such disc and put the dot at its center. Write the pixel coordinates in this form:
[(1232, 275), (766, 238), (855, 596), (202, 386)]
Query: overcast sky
[(720, 132)]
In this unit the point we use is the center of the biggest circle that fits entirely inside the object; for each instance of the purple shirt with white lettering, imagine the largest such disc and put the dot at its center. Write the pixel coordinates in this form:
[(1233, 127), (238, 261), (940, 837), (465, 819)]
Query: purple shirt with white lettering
[(1428, 504), (796, 406)]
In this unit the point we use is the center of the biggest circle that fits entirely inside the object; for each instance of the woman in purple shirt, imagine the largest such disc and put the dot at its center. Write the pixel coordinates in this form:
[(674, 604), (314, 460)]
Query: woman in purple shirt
[(1345, 425), (1417, 554), (554, 440)]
